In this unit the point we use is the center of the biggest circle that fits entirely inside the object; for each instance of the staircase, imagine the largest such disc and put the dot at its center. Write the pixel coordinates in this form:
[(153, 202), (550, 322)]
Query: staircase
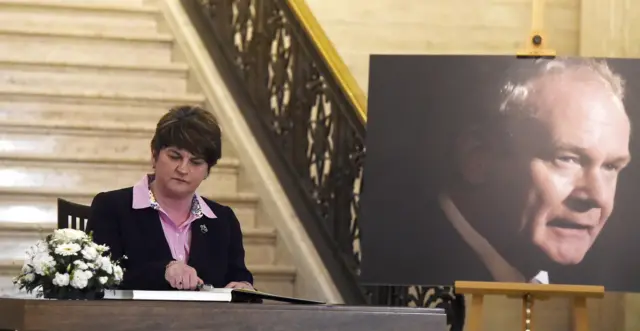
[(82, 84)]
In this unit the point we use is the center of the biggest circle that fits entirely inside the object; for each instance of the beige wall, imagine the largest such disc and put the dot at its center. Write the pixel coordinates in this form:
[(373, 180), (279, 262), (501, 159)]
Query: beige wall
[(573, 27), (362, 27), (610, 28)]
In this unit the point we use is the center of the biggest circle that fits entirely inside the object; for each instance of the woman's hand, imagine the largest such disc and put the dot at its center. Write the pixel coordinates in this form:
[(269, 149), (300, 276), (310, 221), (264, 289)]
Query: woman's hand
[(240, 285), (182, 276)]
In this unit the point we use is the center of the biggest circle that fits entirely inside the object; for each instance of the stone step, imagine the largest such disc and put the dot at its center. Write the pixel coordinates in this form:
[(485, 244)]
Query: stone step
[(58, 44), (78, 76), (268, 278), (16, 238), (33, 111), (88, 16), (69, 173), (50, 143), (61, 96), (87, 145), (40, 205), (274, 279)]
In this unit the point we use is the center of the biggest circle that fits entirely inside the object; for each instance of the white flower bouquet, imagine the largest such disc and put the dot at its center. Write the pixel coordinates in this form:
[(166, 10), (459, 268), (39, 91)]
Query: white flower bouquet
[(69, 265)]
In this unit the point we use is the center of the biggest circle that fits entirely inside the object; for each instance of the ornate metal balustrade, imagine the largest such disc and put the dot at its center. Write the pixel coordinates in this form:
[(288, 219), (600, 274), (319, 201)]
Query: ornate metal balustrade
[(309, 127)]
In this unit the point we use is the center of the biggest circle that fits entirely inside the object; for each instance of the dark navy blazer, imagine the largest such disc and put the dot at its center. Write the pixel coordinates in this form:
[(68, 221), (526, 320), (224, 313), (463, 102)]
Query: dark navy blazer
[(217, 254)]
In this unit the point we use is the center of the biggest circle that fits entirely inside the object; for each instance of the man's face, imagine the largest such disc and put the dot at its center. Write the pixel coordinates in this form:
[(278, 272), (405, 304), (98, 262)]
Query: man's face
[(561, 175)]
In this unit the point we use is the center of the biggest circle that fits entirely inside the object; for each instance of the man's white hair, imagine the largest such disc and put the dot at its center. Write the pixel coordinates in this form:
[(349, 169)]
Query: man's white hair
[(516, 92)]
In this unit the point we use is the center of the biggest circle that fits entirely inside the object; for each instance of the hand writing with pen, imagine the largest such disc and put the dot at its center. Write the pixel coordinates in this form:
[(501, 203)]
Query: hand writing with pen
[(183, 277)]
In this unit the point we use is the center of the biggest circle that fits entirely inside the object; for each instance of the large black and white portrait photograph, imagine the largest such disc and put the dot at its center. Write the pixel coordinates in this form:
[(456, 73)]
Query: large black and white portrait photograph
[(497, 168)]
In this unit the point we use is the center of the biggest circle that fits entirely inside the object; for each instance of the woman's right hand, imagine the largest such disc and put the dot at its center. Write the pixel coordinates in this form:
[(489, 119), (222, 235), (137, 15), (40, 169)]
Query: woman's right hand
[(182, 276)]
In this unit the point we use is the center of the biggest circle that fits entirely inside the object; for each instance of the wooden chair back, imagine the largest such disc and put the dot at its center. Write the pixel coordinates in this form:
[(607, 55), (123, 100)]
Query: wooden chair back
[(72, 215)]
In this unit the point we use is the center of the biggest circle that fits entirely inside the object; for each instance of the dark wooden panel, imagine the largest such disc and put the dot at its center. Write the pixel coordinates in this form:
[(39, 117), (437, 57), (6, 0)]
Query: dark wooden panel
[(11, 314), (44, 315)]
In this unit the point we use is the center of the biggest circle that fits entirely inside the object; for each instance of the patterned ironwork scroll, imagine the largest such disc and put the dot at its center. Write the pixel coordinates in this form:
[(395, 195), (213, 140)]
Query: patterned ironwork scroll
[(311, 121)]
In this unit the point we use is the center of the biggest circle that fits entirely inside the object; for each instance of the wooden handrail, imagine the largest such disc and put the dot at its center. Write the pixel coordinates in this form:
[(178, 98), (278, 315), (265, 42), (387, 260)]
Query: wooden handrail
[(327, 50)]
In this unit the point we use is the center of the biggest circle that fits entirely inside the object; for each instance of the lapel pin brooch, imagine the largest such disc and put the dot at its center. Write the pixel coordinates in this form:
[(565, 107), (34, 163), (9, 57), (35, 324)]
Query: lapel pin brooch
[(203, 228)]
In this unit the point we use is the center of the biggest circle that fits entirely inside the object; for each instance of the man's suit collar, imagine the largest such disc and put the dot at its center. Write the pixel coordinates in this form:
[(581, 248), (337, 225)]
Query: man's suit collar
[(497, 265)]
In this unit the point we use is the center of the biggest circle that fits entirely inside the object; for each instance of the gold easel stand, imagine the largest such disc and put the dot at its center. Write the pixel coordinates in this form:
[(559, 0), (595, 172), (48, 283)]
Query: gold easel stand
[(528, 293), (536, 46)]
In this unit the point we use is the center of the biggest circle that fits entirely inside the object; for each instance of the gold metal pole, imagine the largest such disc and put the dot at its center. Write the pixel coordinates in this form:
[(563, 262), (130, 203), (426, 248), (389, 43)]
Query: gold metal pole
[(527, 312), (537, 15)]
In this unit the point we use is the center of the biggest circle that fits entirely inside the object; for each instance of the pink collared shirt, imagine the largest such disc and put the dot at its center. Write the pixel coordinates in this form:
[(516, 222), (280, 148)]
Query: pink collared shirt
[(178, 237)]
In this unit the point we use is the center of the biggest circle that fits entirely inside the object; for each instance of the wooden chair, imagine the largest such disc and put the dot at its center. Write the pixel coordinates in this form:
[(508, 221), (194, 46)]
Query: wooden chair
[(72, 215)]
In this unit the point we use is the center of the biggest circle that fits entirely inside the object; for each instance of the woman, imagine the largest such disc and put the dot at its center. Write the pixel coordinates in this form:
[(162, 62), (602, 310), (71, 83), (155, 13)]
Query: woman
[(172, 237)]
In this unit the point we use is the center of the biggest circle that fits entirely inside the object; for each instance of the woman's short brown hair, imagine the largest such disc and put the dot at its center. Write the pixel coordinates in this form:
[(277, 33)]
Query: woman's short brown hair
[(191, 128)]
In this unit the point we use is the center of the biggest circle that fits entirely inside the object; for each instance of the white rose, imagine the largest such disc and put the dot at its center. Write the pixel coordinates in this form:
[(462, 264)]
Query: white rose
[(90, 253), (103, 280), (117, 273), (42, 263), (28, 278), (27, 268), (80, 279), (67, 249), (80, 265), (41, 247), (105, 264), (100, 248), (61, 280), (68, 235)]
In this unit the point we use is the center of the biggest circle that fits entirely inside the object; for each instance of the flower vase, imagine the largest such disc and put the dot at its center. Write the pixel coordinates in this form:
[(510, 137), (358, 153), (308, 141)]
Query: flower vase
[(69, 265), (74, 295)]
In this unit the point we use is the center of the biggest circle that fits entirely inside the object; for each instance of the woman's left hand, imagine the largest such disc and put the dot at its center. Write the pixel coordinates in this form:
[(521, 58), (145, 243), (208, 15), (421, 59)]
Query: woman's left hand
[(240, 285)]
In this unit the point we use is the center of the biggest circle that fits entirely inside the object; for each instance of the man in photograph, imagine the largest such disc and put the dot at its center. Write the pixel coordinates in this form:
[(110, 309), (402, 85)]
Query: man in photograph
[(533, 183)]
